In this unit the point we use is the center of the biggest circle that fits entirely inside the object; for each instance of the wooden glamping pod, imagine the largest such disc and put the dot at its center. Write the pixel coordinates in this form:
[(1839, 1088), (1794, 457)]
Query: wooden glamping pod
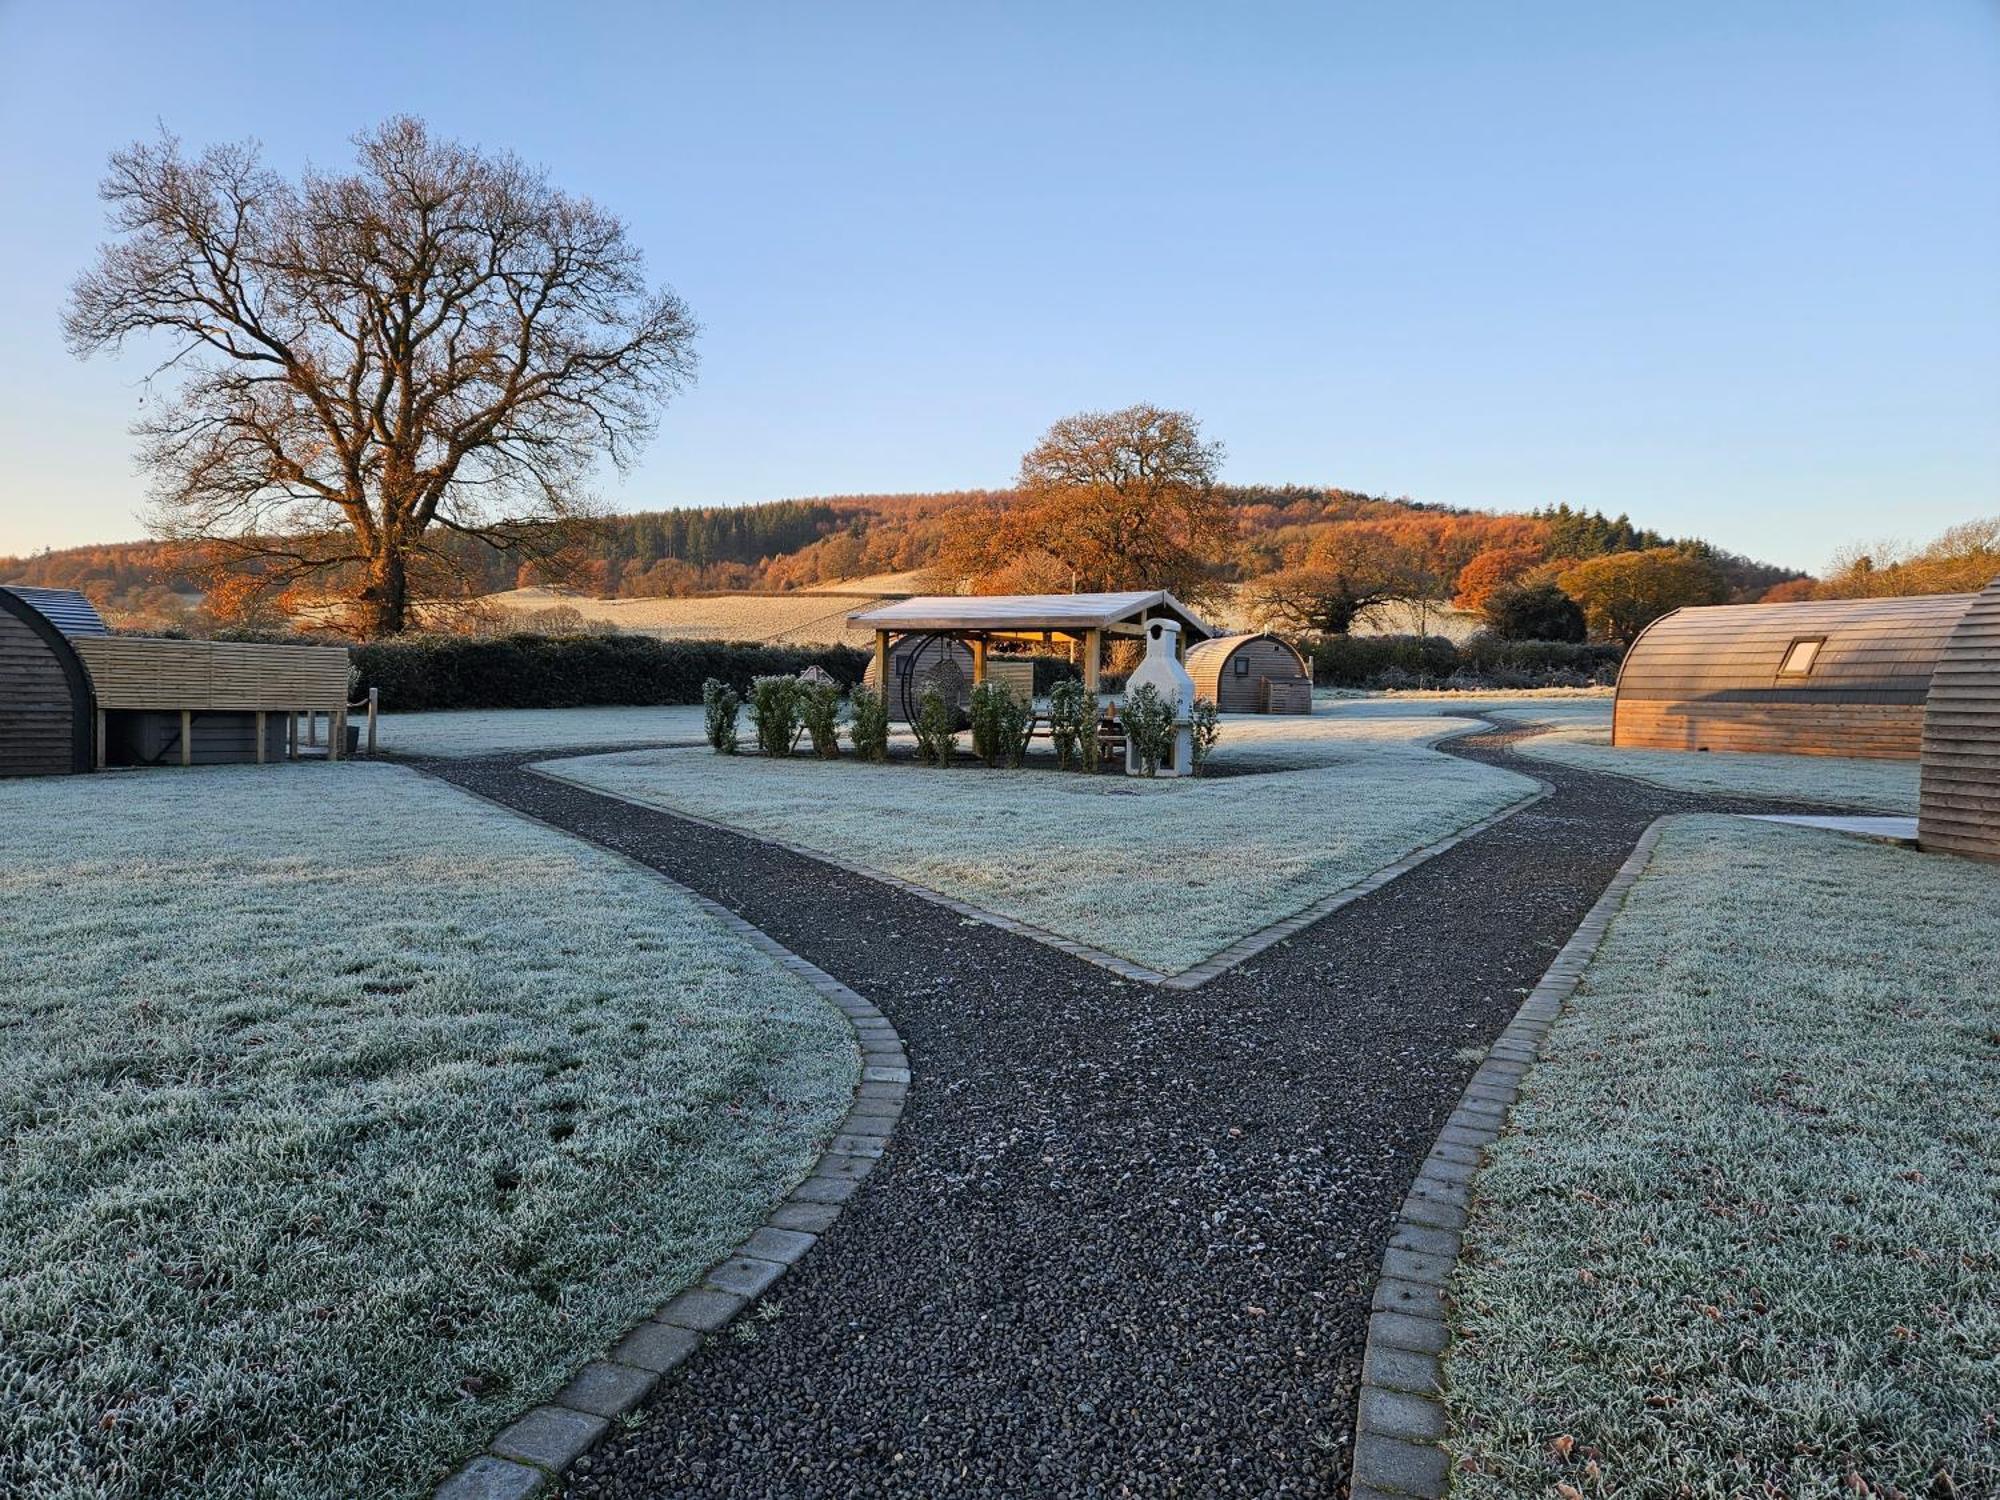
[(1824, 677), (72, 695), (1251, 674), (1959, 805), (45, 704)]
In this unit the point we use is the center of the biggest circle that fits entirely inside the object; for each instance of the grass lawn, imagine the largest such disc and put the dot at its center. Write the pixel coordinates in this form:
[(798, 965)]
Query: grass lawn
[(1743, 1237), (487, 731), (342, 1116), (1163, 873), (1584, 741)]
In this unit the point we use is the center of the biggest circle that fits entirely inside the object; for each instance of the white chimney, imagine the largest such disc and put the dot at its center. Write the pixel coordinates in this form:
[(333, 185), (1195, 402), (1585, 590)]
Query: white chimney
[(1162, 671)]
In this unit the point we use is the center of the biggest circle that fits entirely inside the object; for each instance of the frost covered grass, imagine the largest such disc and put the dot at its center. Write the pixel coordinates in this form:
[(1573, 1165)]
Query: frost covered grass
[(1885, 786), (1163, 873), (342, 1116), (488, 731), (1744, 1234)]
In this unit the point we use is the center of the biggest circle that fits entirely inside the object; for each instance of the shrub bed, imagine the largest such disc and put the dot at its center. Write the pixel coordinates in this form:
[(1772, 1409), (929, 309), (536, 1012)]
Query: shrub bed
[(1390, 661), (419, 672)]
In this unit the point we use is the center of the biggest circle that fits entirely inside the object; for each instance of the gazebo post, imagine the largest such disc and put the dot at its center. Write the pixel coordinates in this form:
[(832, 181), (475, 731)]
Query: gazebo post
[(882, 664), (1093, 658), (978, 644)]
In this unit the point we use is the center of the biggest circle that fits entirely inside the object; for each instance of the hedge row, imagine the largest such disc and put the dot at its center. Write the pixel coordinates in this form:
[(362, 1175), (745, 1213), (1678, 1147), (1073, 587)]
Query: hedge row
[(1388, 661), (416, 672)]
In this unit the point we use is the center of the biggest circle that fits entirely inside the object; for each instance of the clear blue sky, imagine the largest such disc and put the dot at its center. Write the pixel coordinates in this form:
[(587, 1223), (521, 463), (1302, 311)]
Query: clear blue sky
[(1731, 267)]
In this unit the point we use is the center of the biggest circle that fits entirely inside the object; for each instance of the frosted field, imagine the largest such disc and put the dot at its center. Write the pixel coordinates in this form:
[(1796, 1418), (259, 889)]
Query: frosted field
[(1886, 786), (797, 618), (1744, 1234), (489, 731), (1163, 873), (342, 1116)]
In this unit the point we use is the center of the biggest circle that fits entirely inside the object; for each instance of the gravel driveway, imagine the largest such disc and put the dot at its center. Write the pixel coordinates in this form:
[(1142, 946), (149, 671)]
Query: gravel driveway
[(1125, 1238)]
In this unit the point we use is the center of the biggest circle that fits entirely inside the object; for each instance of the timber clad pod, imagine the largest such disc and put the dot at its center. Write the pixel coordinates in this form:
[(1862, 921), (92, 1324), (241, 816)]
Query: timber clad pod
[(1825, 677), (1959, 806), (72, 695), (1251, 674), (45, 705)]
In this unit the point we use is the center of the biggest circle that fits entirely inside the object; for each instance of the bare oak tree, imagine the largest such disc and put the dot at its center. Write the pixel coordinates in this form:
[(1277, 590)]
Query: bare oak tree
[(363, 367)]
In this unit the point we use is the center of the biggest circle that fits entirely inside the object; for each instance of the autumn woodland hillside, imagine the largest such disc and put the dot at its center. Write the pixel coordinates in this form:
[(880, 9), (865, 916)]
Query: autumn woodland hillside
[(1282, 544), (785, 545)]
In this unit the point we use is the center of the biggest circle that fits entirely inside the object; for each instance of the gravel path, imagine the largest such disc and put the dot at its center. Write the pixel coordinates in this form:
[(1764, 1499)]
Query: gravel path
[(1125, 1239)]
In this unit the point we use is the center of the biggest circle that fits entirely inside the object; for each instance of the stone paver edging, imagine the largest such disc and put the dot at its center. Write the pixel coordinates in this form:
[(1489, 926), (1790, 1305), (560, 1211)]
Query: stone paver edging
[(1217, 963), (1400, 1419), (534, 1449)]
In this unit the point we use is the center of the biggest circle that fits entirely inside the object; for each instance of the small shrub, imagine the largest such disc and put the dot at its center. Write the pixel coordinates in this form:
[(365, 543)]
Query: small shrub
[(936, 728), (999, 725), (720, 704), (774, 713), (1149, 726), (1073, 724), (1207, 729), (819, 707), (868, 724)]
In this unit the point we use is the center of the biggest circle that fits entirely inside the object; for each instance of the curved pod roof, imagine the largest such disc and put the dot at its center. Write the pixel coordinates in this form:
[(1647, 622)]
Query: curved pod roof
[(1959, 805), (1857, 646)]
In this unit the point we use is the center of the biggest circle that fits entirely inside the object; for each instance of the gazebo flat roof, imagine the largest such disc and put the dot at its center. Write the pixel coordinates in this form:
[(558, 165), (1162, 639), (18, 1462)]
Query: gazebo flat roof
[(1027, 612)]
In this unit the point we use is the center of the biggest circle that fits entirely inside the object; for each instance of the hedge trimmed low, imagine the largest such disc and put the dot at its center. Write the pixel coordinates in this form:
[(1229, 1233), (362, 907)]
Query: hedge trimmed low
[(418, 672), (1385, 661)]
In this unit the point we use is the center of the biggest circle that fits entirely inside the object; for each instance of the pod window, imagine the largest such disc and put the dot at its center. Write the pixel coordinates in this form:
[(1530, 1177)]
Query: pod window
[(1242, 665), (1800, 656)]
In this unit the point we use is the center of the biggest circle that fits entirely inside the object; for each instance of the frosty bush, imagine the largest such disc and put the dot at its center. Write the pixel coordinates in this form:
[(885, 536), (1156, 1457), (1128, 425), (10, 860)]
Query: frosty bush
[(868, 723), (1149, 724), (999, 725), (774, 713), (1207, 726), (1073, 725), (819, 706), (936, 729), (719, 707)]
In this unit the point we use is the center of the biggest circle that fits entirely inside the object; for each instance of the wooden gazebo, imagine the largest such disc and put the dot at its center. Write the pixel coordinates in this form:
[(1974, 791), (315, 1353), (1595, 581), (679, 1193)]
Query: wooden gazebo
[(1083, 620)]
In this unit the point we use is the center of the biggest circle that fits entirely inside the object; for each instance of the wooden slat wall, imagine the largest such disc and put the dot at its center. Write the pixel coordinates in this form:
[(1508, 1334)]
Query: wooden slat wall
[(1212, 665), (139, 672), (1017, 673), (1959, 805), (37, 708), (1707, 679), (1871, 731)]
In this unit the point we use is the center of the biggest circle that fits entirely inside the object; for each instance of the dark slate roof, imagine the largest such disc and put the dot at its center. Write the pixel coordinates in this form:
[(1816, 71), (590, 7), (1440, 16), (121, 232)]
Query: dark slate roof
[(65, 609)]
